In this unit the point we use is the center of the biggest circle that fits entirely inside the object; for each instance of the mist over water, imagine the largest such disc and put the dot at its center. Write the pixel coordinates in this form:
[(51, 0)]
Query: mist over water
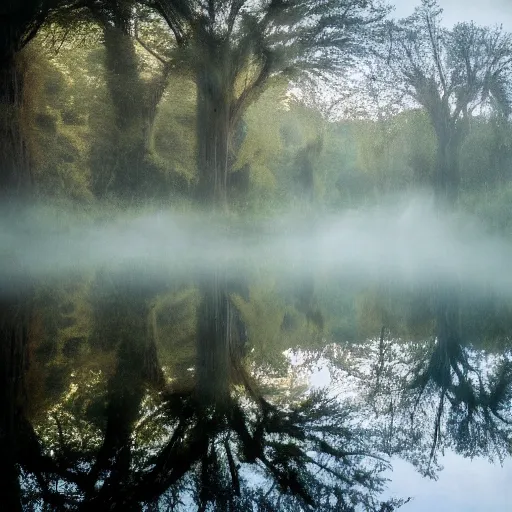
[(407, 241)]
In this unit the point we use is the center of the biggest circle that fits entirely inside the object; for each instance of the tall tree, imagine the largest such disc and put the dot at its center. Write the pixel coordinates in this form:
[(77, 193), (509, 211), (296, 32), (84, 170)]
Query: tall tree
[(19, 23), (452, 74), (239, 46), (130, 171)]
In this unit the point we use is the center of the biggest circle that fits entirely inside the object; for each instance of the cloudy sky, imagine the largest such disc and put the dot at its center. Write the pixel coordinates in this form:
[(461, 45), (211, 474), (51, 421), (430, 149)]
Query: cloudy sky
[(488, 12)]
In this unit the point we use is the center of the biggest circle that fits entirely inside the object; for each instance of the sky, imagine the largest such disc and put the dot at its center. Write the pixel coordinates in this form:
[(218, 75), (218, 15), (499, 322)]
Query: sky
[(463, 486), (489, 12)]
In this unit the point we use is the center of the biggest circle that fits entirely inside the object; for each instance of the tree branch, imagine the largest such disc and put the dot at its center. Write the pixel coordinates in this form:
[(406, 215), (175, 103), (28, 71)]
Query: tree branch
[(232, 468), (251, 92), (435, 51), (236, 5), (151, 51)]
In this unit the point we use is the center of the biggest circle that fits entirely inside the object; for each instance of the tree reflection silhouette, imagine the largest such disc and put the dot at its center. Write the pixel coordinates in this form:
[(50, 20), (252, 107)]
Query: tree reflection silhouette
[(175, 445), (440, 392)]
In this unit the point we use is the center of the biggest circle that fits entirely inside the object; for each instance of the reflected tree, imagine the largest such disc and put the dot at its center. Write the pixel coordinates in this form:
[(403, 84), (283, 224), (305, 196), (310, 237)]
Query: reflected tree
[(478, 400), (308, 454), (443, 383), (122, 322), (219, 448)]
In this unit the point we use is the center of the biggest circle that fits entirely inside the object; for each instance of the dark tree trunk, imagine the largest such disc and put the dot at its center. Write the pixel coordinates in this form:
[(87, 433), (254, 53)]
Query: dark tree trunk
[(214, 342), (214, 94), (129, 171), (19, 23), (221, 344), (216, 326), (450, 135), (124, 82), (14, 164), (13, 367), (122, 320), (123, 175), (14, 183), (447, 179)]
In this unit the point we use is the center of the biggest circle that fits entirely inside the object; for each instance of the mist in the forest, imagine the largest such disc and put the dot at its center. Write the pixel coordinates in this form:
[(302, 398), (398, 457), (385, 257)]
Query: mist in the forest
[(405, 240)]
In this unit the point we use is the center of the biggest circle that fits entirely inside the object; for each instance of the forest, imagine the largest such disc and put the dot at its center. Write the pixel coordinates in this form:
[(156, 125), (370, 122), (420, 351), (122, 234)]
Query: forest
[(206, 203)]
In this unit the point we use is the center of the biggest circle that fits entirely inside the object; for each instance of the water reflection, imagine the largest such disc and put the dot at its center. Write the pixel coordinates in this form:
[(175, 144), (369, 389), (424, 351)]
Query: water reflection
[(179, 396), (429, 382)]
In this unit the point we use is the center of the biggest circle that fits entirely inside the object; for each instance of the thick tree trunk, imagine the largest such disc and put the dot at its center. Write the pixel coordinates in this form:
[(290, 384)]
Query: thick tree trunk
[(129, 173), (13, 367), (450, 135), (214, 128), (214, 343), (14, 312), (447, 179), (19, 22), (216, 326), (123, 173), (14, 164), (123, 320)]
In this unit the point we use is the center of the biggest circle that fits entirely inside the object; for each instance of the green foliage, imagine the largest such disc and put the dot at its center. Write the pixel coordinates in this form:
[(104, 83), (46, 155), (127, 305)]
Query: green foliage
[(57, 130), (173, 139), (406, 314), (263, 314), (175, 323), (262, 144), (491, 207)]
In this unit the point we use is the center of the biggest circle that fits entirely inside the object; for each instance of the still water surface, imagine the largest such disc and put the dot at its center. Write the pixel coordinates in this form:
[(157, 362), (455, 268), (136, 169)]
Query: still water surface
[(361, 362)]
